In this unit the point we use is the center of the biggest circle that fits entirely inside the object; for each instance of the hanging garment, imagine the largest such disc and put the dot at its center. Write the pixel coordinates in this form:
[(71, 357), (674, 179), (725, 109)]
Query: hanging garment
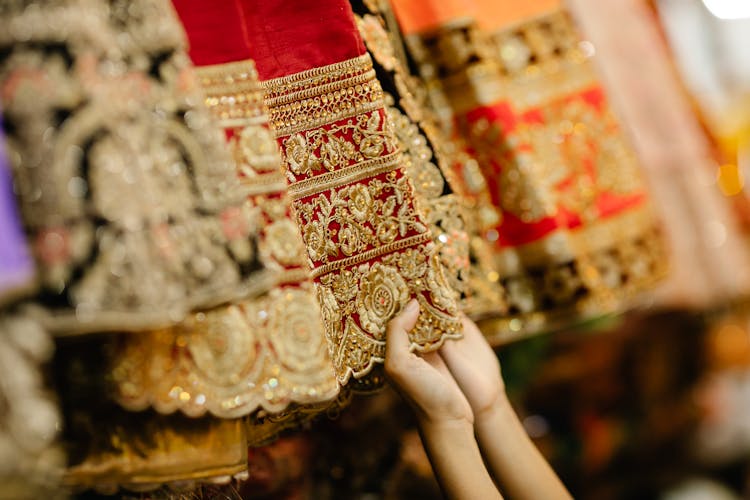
[(577, 237), (371, 250), (709, 259), (438, 166), (127, 195), (109, 448), (267, 352)]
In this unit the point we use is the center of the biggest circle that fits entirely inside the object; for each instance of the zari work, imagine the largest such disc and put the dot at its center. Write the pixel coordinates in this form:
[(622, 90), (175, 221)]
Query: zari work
[(370, 249), (109, 448), (434, 163), (267, 352), (31, 463), (126, 192), (576, 234)]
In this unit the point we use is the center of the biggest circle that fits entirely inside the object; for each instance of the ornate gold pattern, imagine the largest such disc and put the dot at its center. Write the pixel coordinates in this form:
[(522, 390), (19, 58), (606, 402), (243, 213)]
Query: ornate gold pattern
[(148, 451), (267, 352), (433, 161), (319, 96), (629, 258), (173, 239), (528, 103), (369, 247)]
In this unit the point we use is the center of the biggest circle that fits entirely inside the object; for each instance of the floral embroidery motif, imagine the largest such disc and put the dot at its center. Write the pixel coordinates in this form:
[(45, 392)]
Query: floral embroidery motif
[(527, 102), (368, 245), (175, 237), (382, 294), (268, 352), (433, 162)]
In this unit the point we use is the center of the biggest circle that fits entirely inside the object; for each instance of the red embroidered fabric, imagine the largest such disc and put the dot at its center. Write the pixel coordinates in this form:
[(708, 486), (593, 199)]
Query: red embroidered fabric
[(274, 353), (576, 232), (370, 249)]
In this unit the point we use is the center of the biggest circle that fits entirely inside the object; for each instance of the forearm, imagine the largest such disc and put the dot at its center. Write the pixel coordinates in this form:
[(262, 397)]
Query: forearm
[(457, 461), (514, 461)]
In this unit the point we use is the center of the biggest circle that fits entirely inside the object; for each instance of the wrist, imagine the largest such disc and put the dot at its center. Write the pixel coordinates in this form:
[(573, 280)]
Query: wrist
[(444, 425), (499, 413)]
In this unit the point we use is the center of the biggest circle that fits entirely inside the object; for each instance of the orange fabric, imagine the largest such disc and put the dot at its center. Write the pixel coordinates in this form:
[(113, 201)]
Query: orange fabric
[(416, 16), (492, 15)]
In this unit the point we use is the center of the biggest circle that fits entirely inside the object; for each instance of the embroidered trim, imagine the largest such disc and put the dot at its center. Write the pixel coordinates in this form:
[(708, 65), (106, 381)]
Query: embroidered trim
[(322, 95), (348, 175), (369, 247), (233, 92), (372, 254)]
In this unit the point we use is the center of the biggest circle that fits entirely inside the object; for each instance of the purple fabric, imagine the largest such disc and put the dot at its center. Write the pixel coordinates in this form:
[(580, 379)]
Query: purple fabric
[(16, 264)]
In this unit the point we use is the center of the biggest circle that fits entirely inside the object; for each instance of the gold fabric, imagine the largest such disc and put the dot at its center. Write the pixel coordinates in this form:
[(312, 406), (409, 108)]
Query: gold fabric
[(264, 353), (576, 236), (146, 451)]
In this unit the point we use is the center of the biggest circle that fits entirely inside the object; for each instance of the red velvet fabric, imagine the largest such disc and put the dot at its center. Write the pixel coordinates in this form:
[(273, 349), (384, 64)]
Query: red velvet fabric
[(289, 36), (216, 30)]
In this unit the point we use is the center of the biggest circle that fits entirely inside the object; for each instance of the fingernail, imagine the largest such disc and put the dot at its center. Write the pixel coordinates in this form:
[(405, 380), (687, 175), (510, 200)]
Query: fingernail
[(412, 306)]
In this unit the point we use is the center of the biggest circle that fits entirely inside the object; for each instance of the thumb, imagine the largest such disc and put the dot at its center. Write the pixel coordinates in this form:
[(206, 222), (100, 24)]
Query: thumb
[(397, 338)]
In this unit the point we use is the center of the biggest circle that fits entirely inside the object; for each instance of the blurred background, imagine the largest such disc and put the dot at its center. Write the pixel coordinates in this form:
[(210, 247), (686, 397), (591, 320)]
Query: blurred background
[(654, 403)]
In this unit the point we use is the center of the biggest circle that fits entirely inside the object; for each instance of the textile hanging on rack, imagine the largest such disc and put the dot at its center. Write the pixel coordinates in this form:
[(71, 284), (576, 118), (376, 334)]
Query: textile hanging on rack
[(438, 165), (110, 449), (577, 237), (708, 254), (370, 249), (135, 217), (262, 353), (126, 192)]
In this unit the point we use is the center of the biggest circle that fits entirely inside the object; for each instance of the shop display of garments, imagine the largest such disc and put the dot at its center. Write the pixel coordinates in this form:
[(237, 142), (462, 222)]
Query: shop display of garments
[(127, 195), (708, 253), (438, 166), (16, 265), (266, 352), (370, 249), (577, 236)]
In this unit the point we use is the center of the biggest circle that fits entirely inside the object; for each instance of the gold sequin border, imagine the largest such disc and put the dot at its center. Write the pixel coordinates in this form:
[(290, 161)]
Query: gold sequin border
[(318, 96)]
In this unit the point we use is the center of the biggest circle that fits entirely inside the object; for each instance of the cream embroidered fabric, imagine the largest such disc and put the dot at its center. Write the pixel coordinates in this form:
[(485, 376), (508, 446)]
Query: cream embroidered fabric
[(267, 352)]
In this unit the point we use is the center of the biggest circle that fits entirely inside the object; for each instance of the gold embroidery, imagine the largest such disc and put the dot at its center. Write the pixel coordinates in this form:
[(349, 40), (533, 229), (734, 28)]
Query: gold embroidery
[(357, 211), (264, 353), (629, 259), (551, 147), (175, 239), (367, 215), (431, 166), (322, 95)]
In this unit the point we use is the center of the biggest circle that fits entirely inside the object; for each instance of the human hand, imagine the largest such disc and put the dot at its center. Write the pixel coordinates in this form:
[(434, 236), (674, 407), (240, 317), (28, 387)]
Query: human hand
[(423, 380), (476, 369)]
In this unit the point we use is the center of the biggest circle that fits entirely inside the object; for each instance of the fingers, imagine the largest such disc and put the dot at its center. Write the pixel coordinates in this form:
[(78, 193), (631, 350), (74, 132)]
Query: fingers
[(471, 330), (397, 338)]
